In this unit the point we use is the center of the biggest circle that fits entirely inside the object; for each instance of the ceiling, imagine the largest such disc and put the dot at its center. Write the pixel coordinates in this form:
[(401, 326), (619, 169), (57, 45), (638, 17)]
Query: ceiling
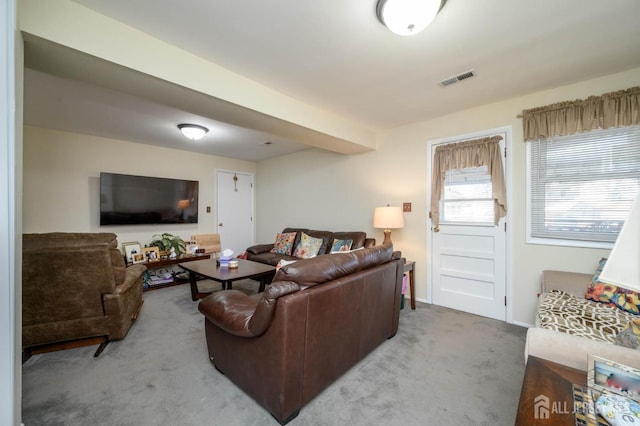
[(336, 56)]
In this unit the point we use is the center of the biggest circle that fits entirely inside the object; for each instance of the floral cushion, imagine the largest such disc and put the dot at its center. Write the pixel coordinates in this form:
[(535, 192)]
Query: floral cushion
[(341, 245), (610, 294), (308, 247), (284, 262), (284, 243)]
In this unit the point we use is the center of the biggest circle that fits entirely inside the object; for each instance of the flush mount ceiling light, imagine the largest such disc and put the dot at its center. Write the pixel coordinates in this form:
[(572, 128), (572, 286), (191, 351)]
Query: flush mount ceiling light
[(193, 131), (408, 17)]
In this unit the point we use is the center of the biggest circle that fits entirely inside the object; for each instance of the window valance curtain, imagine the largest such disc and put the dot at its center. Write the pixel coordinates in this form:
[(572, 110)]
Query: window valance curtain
[(462, 155), (615, 109)]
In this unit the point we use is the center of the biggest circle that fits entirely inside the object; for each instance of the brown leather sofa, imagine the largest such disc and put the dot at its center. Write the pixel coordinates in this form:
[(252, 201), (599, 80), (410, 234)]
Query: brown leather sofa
[(76, 286), (316, 320), (262, 252)]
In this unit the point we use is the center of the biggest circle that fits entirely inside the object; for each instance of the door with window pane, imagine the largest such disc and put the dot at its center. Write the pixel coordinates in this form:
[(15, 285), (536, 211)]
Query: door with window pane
[(468, 256)]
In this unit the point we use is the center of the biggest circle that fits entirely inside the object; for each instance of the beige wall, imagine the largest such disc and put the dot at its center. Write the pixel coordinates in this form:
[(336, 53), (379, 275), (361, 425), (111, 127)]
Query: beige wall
[(61, 181), (329, 191)]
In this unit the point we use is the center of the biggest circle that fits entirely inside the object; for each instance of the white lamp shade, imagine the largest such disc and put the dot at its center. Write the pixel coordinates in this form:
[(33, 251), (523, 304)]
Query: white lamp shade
[(407, 17), (388, 217), (623, 265), (193, 131)]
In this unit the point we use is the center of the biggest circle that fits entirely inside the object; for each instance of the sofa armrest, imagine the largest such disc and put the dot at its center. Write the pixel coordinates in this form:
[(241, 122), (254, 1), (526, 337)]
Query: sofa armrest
[(570, 282), (261, 318), (573, 351), (260, 248), (243, 315), (132, 275)]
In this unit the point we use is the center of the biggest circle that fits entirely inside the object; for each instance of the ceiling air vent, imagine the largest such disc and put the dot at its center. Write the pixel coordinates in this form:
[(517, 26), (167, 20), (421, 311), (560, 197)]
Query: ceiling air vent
[(465, 75)]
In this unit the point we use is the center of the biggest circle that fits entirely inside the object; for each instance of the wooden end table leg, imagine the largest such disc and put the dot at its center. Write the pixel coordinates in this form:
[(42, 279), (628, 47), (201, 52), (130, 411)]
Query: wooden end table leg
[(412, 289)]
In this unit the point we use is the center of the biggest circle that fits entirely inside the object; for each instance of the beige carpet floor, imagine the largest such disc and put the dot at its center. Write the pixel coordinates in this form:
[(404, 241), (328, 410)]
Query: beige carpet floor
[(443, 367)]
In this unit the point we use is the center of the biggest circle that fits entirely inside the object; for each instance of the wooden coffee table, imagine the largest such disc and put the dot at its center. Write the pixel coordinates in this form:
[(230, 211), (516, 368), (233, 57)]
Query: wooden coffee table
[(207, 268), (548, 386)]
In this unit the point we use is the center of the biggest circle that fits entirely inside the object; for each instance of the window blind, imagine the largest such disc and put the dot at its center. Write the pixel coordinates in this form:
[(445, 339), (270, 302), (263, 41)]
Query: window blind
[(583, 185), (467, 196)]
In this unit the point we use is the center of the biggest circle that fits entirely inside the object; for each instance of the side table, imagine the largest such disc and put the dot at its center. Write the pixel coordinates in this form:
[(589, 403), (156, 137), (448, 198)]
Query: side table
[(410, 267), (547, 394)]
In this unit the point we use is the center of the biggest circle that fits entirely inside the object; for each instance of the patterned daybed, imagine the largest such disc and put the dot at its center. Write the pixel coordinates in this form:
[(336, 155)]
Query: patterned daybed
[(569, 327)]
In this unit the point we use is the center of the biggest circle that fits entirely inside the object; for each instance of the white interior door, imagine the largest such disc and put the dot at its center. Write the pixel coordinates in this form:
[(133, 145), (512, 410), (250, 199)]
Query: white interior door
[(235, 210), (468, 252)]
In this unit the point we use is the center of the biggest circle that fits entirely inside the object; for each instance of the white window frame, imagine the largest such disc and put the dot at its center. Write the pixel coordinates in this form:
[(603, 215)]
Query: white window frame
[(529, 218)]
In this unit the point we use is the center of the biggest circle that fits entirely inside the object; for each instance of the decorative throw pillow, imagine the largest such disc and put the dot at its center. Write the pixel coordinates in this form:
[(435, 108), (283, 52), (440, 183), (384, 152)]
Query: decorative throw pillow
[(341, 245), (283, 262), (284, 243), (610, 294), (630, 335), (307, 247), (618, 410)]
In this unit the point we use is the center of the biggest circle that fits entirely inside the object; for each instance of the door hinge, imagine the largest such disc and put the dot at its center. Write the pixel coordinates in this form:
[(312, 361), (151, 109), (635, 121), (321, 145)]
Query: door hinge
[(505, 152), (505, 227), (505, 301), (430, 215)]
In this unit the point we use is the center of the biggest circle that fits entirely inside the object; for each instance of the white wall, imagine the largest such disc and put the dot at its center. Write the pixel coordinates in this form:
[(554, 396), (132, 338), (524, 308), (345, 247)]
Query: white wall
[(329, 191), (61, 181)]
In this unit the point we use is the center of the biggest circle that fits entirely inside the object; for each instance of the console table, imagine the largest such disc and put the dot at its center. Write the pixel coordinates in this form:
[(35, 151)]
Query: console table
[(167, 262)]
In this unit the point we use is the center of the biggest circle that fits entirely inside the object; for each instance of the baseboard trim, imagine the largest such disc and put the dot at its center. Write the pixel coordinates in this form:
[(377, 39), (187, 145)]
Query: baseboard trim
[(523, 324)]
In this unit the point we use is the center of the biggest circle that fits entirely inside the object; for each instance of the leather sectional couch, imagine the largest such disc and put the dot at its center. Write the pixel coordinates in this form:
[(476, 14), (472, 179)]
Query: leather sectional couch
[(262, 252), (317, 319)]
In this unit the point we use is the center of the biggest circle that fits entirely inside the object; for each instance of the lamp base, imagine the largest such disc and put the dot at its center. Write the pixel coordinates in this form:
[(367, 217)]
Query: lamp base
[(387, 237)]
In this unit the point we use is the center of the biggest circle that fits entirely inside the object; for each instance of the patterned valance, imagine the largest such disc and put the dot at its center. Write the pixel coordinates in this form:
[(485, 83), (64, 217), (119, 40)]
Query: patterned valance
[(615, 109), (463, 155)]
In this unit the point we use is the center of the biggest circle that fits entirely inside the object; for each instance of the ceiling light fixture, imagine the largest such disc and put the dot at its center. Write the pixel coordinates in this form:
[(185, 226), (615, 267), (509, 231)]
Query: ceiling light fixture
[(408, 17), (193, 131)]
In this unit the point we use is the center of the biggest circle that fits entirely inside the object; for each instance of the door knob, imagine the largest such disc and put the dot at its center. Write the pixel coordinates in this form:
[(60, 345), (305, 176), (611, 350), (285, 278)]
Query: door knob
[(220, 224), (436, 229)]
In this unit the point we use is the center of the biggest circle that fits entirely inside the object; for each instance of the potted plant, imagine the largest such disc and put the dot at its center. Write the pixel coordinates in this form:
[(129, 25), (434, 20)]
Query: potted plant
[(165, 242)]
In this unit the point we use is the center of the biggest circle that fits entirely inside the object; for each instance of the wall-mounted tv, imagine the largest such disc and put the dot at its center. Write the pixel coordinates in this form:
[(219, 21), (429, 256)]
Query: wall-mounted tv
[(138, 200)]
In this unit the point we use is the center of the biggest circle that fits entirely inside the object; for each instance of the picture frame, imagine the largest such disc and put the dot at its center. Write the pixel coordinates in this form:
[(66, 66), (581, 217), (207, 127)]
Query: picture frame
[(129, 248), (191, 247), (151, 254), (605, 376), (138, 257)]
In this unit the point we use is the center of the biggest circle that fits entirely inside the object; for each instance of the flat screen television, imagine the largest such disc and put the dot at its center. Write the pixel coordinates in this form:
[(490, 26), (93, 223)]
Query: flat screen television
[(139, 200)]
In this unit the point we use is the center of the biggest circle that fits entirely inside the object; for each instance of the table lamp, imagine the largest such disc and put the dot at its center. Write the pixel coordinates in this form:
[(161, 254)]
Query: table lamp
[(388, 218), (623, 266)]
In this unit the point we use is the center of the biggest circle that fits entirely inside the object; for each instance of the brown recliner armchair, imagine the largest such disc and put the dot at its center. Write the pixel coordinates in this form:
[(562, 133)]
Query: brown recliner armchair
[(76, 288)]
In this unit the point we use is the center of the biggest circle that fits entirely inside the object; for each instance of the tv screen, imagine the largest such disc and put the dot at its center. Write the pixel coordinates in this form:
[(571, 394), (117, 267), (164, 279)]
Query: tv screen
[(137, 200)]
